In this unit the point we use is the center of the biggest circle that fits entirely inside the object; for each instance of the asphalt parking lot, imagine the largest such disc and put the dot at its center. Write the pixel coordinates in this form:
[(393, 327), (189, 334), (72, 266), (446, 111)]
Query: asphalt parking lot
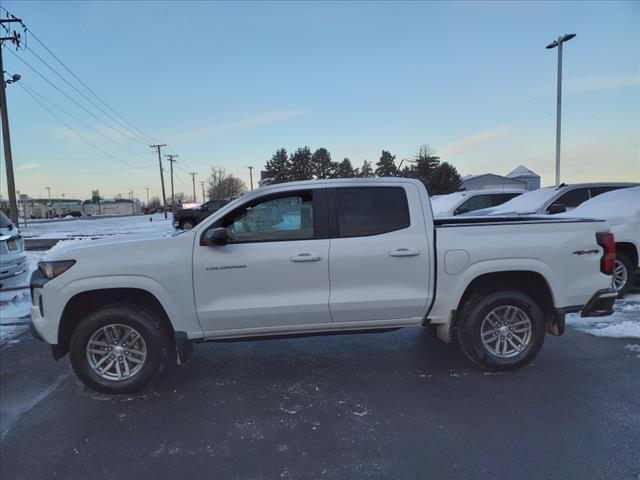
[(395, 405)]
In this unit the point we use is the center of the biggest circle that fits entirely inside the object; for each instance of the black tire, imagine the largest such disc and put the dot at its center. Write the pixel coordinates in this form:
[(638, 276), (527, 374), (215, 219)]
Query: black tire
[(156, 339), (624, 261), (187, 224), (469, 323)]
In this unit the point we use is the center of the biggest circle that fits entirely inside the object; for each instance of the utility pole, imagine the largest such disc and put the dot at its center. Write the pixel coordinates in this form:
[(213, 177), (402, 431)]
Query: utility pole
[(251, 176), (147, 196), (193, 180), (558, 43), (172, 160), (203, 196), (11, 184), (133, 210), (164, 197)]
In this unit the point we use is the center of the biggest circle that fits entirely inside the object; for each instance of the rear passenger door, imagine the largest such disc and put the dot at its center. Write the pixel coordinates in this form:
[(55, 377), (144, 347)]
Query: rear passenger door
[(379, 256)]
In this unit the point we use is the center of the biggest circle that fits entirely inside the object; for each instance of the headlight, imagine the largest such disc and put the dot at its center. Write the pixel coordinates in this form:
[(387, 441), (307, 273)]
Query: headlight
[(53, 269)]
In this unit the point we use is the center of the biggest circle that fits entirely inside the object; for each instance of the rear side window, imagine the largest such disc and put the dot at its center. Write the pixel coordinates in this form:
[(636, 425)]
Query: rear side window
[(500, 198), (371, 210), (595, 191)]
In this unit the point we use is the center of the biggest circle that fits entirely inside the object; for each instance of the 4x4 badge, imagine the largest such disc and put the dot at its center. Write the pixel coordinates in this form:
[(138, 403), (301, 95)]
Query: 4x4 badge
[(585, 252)]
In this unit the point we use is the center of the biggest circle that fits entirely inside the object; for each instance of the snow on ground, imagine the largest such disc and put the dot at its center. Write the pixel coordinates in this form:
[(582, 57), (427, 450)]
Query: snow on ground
[(624, 323), (97, 226)]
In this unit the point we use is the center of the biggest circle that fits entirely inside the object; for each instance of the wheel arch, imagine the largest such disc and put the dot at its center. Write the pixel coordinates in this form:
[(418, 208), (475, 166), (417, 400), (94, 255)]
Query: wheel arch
[(83, 303), (529, 282), (630, 250)]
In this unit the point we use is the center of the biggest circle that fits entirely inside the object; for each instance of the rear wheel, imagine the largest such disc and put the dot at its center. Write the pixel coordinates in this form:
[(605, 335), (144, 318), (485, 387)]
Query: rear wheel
[(500, 330), (622, 274), (119, 349)]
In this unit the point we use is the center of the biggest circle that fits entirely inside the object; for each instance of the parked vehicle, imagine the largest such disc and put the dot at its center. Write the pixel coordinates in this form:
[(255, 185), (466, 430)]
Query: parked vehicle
[(552, 200), (621, 208), (468, 201), (188, 218), (319, 257), (13, 260)]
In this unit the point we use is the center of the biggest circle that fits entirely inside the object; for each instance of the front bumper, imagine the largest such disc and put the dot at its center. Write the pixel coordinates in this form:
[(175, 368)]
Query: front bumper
[(600, 304)]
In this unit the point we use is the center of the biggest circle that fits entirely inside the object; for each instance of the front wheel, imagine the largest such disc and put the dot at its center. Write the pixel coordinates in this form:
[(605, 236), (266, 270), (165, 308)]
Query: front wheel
[(119, 349), (500, 330), (187, 224)]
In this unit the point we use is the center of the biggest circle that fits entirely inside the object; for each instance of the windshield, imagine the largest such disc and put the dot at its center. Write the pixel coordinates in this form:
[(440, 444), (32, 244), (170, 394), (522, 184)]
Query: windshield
[(526, 203), (4, 221)]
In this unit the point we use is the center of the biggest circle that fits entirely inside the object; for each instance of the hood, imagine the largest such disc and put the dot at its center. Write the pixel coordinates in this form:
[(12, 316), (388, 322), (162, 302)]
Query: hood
[(72, 249)]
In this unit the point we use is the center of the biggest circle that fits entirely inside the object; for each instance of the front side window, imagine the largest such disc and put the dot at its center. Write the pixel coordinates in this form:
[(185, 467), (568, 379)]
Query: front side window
[(371, 210), (284, 218), (573, 198), (474, 203)]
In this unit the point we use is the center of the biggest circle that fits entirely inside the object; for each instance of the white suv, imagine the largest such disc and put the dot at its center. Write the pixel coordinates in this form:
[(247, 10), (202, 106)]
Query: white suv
[(13, 260)]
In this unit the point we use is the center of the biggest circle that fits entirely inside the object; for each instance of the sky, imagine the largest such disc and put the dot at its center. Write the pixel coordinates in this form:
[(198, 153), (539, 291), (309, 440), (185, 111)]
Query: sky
[(227, 84)]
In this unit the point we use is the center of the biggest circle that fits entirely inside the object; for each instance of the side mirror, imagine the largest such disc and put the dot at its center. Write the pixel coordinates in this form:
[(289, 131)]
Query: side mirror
[(460, 211), (556, 208), (215, 237)]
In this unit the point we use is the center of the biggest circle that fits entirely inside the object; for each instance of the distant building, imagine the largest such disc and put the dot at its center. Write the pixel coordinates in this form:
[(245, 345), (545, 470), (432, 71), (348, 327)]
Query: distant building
[(115, 206), (54, 208), (523, 174), (491, 180)]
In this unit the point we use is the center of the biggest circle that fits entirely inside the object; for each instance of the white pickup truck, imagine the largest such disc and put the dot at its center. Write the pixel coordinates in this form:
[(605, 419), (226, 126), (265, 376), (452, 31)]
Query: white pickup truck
[(319, 257)]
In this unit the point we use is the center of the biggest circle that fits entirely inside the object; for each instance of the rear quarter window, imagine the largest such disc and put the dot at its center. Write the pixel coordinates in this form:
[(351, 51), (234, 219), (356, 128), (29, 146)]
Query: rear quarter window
[(364, 211)]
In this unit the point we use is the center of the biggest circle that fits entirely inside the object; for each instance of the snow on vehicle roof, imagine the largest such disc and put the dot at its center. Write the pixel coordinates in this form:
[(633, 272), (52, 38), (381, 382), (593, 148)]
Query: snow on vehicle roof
[(528, 202), (444, 203), (618, 207)]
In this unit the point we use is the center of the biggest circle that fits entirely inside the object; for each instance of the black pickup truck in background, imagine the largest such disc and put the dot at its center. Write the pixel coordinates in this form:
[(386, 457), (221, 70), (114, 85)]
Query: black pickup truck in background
[(188, 218)]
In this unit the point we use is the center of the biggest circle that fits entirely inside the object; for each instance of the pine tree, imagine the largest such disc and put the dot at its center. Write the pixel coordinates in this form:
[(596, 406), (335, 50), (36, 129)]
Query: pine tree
[(301, 165), (386, 166), (278, 169), (322, 165), (366, 171), (425, 163), (444, 179), (345, 169)]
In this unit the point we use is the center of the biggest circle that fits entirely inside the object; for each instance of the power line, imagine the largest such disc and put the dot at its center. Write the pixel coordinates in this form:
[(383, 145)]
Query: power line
[(78, 134), (127, 131), (34, 92), (64, 93), (131, 125)]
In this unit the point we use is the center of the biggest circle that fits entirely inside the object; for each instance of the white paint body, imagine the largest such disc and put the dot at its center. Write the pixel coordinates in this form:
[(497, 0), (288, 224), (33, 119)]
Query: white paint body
[(399, 278)]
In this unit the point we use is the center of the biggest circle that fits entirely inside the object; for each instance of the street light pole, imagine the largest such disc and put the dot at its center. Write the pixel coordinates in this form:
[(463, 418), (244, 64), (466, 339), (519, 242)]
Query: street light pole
[(251, 176), (558, 43), (49, 204)]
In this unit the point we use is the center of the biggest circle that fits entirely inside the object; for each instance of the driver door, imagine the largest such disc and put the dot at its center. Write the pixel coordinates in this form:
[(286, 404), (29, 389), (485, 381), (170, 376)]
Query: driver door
[(273, 272)]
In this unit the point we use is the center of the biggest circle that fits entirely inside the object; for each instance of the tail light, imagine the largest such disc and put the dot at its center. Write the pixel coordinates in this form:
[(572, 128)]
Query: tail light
[(607, 242)]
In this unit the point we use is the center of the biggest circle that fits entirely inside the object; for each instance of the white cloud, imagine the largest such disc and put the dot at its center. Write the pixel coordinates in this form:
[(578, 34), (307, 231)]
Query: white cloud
[(30, 166), (602, 82), (468, 143)]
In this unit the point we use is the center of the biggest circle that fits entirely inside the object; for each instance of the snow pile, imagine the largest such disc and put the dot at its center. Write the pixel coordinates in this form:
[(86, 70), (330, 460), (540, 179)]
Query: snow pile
[(97, 226), (624, 323)]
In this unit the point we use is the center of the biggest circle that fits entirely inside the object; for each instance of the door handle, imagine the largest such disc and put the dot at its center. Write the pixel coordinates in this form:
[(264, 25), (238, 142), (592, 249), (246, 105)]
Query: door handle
[(305, 257), (404, 252)]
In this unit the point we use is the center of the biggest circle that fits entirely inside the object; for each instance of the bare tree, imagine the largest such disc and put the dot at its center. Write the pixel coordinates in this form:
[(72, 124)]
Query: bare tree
[(223, 185)]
